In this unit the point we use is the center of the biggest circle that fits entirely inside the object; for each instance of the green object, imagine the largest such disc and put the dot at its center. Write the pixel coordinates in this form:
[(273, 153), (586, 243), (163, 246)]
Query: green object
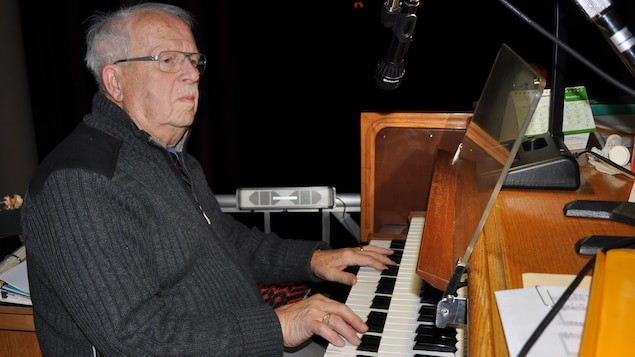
[(612, 109)]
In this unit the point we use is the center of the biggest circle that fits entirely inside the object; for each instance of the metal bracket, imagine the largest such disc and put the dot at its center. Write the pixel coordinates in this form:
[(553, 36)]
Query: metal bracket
[(451, 310)]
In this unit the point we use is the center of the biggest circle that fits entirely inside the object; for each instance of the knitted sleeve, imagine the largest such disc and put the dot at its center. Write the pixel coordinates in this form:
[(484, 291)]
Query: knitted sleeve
[(110, 267)]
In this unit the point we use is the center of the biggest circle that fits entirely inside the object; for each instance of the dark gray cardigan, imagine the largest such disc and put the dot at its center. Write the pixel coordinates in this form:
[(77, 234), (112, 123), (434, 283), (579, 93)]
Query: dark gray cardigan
[(124, 258)]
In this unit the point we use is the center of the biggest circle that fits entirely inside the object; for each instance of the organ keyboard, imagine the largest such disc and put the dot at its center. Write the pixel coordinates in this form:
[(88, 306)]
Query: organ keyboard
[(400, 308)]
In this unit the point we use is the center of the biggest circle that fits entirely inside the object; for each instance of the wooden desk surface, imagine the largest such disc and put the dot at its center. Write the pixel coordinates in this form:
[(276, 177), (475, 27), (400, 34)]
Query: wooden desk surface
[(17, 332), (527, 231)]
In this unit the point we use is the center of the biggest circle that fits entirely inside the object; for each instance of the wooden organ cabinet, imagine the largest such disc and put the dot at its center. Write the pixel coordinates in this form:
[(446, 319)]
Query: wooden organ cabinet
[(405, 159), (398, 153)]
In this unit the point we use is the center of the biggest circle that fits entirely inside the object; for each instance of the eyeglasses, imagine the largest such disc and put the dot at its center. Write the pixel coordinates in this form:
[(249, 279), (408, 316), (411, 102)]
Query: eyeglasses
[(172, 61)]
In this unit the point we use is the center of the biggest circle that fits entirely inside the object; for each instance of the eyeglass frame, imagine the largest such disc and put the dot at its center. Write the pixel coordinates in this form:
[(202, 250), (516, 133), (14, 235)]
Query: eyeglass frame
[(156, 57)]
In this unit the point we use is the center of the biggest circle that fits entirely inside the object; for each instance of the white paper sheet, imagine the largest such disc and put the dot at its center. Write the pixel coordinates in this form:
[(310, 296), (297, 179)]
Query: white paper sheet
[(18, 277), (522, 310)]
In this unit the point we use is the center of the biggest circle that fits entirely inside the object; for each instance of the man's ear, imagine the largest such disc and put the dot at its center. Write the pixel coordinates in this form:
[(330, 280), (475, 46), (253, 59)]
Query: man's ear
[(111, 82)]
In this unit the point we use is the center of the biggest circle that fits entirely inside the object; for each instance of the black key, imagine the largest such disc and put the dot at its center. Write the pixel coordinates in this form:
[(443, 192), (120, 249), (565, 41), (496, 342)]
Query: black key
[(397, 244), (396, 256), (386, 285), (446, 332), (424, 346), (376, 321), (391, 271), (429, 319), (439, 337), (428, 310), (430, 294), (369, 343), (381, 302), (440, 340)]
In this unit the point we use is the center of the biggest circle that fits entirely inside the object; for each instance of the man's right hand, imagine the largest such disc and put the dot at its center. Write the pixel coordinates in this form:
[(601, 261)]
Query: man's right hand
[(319, 315)]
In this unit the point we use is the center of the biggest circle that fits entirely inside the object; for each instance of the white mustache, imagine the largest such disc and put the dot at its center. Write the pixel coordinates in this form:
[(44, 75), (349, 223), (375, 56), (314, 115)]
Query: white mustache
[(188, 91)]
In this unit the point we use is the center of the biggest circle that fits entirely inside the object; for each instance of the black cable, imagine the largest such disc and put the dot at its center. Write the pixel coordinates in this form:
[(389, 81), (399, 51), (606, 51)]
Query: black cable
[(570, 50), (343, 220), (343, 204)]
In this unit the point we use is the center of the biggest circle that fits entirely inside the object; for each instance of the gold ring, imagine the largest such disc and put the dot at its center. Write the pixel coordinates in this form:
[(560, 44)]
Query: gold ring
[(326, 319)]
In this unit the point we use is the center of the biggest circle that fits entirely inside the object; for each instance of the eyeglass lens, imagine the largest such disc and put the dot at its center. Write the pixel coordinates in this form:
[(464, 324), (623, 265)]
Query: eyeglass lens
[(172, 61)]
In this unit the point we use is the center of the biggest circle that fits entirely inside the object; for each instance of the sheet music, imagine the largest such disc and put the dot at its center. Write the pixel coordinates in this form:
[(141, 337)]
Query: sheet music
[(522, 310)]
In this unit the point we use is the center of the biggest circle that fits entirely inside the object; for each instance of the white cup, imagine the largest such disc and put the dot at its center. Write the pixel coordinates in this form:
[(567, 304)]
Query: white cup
[(620, 155)]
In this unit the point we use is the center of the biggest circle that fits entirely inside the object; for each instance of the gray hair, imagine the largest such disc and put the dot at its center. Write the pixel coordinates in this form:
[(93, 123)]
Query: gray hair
[(107, 39)]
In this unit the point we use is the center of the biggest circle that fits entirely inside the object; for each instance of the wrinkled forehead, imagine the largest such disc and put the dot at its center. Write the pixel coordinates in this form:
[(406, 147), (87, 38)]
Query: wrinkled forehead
[(150, 30)]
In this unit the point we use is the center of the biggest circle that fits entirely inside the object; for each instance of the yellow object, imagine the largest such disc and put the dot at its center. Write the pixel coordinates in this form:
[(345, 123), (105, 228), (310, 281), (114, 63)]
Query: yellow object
[(611, 309)]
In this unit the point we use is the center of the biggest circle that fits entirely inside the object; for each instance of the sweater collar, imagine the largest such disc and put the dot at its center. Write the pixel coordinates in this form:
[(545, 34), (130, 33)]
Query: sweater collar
[(111, 118)]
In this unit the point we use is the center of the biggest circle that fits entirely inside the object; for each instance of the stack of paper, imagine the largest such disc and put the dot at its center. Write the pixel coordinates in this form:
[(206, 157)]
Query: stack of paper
[(14, 285), (13, 259)]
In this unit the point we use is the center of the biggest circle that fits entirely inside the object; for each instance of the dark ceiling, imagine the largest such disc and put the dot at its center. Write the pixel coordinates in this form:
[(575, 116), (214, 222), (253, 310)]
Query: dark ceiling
[(286, 82)]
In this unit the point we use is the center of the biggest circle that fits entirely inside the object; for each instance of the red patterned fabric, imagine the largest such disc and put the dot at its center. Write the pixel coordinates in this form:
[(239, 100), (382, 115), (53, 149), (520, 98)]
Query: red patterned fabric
[(284, 293)]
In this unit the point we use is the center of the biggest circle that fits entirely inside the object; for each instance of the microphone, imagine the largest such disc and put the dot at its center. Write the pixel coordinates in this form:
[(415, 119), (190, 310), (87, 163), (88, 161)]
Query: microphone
[(602, 13), (402, 18)]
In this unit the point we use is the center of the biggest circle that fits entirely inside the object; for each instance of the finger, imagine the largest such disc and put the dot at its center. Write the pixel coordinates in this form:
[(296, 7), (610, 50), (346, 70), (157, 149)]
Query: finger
[(367, 259), (335, 329), (329, 333), (379, 253), (374, 260), (344, 277), (376, 249), (344, 313)]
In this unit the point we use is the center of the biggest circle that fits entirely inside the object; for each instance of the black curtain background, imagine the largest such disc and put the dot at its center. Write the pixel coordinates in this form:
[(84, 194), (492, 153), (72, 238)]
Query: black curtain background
[(287, 81)]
